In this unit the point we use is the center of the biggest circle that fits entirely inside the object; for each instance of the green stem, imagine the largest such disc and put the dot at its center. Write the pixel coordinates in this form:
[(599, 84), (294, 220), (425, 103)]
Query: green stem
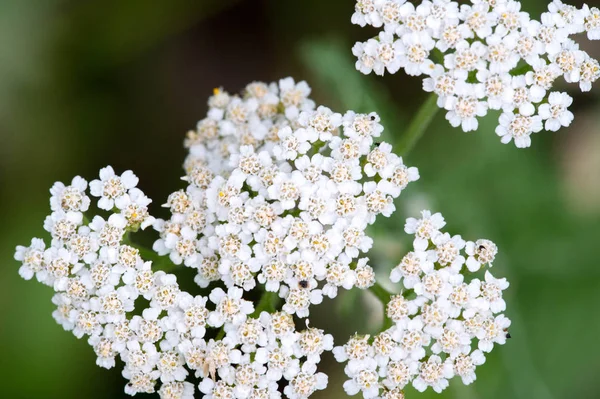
[(418, 125), (268, 303), (384, 297), (381, 293)]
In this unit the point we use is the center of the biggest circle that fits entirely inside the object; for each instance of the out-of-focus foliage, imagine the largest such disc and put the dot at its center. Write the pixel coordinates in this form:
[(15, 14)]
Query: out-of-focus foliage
[(89, 83)]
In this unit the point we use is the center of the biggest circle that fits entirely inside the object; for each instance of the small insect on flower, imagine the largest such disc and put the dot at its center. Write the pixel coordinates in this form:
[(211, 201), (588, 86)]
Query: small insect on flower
[(209, 368), (303, 284), (508, 336)]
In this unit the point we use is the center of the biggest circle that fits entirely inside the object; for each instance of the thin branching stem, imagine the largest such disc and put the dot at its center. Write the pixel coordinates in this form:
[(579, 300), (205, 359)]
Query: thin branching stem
[(418, 125)]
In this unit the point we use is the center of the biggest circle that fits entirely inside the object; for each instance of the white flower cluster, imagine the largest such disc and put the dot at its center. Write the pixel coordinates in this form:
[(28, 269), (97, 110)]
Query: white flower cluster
[(444, 320), (281, 193), (98, 276), (487, 55)]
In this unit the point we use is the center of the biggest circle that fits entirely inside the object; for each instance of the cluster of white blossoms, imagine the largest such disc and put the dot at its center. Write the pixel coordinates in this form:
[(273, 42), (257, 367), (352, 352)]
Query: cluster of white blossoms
[(444, 321), (487, 55), (98, 277), (280, 194)]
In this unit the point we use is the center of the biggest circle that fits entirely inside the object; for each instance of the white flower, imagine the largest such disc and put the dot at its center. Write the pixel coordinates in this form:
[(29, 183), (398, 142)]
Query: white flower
[(425, 228), (592, 22), (378, 199), (166, 291), (105, 349), (464, 110), (140, 382), (279, 360), (214, 390), (318, 125), (231, 308), (489, 293), (453, 340), (60, 264), (385, 347), (362, 126), (480, 252), (447, 252), (338, 275), (290, 145), (496, 87), (194, 315), (109, 234), (182, 246), (501, 54), (467, 58), (298, 300), (386, 53), (365, 275), (414, 27), (414, 58), (589, 73), (555, 112), (355, 350), (70, 198), (311, 343), (412, 340), (63, 225), (365, 379), (294, 96), (140, 357), (440, 82), (112, 305), (111, 187), (493, 331), (170, 365), (306, 382), (410, 269), (365, 62), (518, 127), (32, 258), (86, 322), (398, 309), (433, 373), (177, 390), (510, 17), (63, 312), (478, 18), (464, 365), (435, 284), (398, 374), (564, 15), (366, 13)]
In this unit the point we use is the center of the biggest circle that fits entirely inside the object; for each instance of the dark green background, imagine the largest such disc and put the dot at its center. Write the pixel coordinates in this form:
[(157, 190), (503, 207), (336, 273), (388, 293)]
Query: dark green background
[(88, 83)]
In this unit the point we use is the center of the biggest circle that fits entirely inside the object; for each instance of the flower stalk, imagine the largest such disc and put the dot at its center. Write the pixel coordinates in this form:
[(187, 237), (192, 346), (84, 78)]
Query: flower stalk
[(418, 125)]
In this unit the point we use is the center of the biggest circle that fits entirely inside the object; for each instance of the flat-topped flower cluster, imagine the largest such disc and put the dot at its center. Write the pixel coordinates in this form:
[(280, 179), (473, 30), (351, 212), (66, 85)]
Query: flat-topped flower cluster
[(487, 55), (98, 277), (280, 194), (444, 320)]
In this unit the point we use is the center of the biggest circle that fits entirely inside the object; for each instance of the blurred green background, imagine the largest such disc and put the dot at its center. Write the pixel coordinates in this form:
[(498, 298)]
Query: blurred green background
[(88, 83)]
